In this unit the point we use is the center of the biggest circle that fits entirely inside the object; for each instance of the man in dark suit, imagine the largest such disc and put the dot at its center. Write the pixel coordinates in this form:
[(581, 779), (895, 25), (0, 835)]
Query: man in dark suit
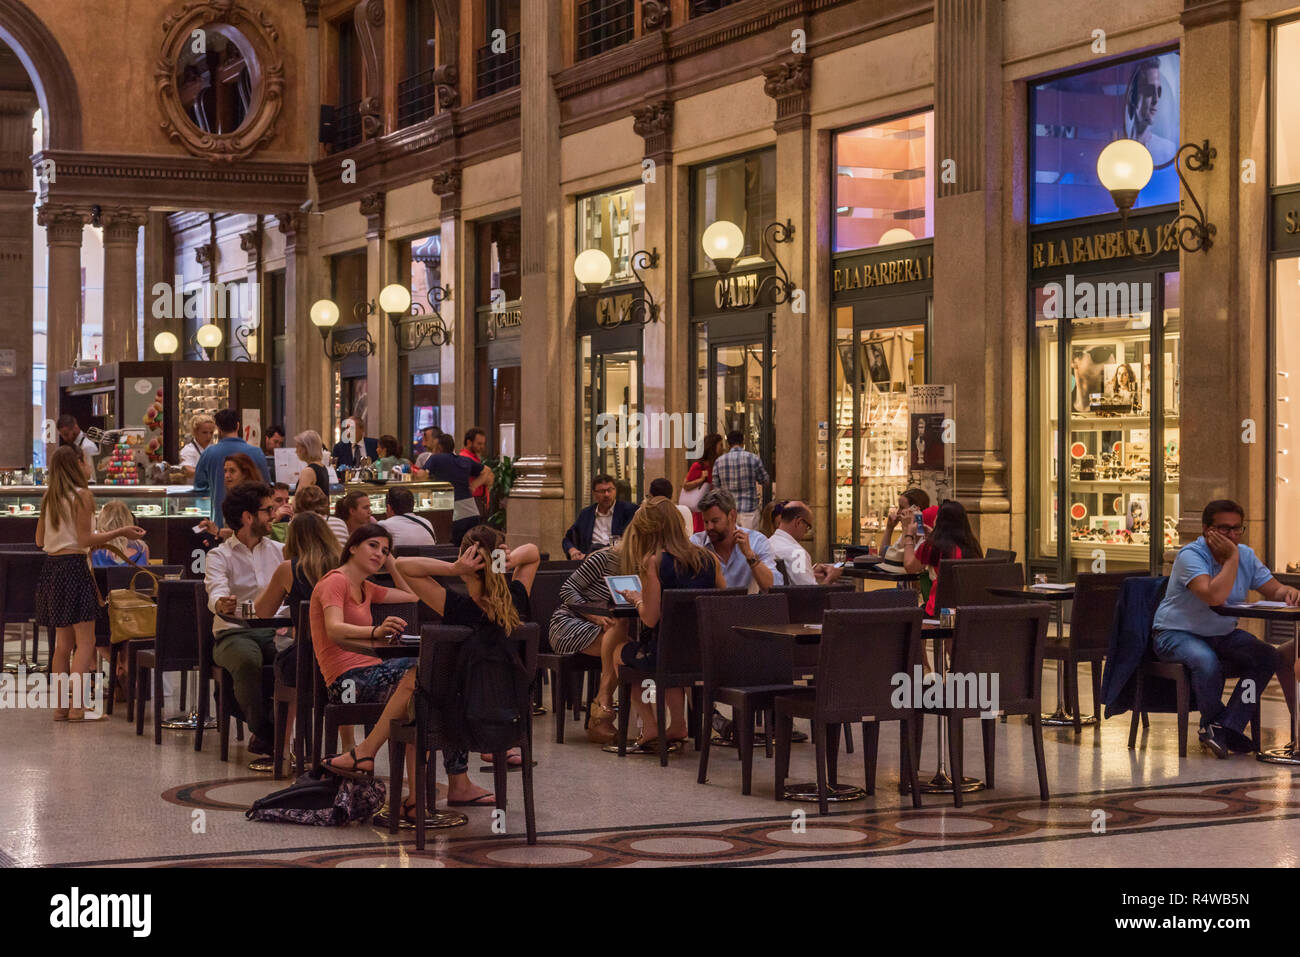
[(349, 454), (600, 522)]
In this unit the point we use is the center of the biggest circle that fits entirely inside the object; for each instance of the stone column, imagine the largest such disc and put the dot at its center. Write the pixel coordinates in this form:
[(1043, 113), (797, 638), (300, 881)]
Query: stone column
[(382, 367), (63, 226), (16, 198), (307, 376), (968, 255), (121, 240), (258, 342), (456, 357), (160, 267), (536, 511), (1224, 363)]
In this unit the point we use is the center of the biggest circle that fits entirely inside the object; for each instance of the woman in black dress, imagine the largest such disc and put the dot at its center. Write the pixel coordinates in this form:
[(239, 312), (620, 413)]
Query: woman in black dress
[(490, 597), (309, 449)]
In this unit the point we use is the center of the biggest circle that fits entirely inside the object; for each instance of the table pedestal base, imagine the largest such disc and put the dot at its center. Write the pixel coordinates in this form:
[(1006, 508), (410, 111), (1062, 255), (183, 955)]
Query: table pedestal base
[(1287, 754), (673, 748), (438, 821), (261, 765), (1059, 719), (835, 793), (941, 783), (188, 723)]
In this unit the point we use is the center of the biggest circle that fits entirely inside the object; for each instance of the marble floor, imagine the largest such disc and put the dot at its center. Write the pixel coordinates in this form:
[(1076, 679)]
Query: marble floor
[(160, 806)]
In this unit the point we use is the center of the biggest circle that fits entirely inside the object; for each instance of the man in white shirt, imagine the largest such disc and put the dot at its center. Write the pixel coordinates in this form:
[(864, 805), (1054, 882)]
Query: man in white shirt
[(202, 427), (70, 434), (402, 523), (793, 520), (237, 571)]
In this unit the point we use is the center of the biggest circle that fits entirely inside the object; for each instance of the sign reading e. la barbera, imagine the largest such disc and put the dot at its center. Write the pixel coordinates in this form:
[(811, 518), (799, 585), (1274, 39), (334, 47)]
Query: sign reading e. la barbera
[(1108, 242), (884, 268)]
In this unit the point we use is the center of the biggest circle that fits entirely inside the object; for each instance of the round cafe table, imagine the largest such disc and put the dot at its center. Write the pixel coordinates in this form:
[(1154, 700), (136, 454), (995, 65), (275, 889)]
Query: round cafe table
[(1271, 611)]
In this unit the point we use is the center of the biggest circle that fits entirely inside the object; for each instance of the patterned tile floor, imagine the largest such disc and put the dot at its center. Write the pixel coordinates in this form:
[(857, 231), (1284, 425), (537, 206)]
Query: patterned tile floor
[(95, 794)]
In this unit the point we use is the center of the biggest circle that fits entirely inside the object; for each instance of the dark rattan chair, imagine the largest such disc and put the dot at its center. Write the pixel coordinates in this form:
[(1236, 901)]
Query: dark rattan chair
[(566, 671), (174, 648)]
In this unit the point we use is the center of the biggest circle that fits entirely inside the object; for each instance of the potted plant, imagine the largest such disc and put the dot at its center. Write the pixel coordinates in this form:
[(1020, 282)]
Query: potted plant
[(503, 469)]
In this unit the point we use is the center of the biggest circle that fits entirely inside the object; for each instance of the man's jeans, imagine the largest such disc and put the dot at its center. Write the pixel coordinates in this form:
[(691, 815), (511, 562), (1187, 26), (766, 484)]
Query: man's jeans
[(244, 652), (1205, 657)]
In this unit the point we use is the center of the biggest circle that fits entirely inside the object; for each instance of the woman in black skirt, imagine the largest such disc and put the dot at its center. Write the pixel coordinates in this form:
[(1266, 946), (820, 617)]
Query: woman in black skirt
[(66, 598)]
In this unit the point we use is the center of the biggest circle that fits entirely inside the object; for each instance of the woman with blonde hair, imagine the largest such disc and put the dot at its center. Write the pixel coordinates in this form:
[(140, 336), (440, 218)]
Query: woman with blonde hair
[(66, 598), (656, 547), (202, 427), (310, 449), (116, 515), (490, 598)]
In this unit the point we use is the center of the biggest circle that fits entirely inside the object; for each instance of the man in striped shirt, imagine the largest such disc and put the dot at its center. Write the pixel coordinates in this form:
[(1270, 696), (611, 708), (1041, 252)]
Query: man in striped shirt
[(741, 473)]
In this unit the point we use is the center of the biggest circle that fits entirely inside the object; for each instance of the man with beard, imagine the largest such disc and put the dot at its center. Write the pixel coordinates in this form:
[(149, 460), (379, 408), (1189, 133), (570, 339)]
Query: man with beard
[(237, 571), (745, 554)]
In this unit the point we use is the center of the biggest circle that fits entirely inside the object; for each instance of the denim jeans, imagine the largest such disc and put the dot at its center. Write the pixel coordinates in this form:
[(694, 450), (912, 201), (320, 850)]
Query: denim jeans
[(1205, 657)]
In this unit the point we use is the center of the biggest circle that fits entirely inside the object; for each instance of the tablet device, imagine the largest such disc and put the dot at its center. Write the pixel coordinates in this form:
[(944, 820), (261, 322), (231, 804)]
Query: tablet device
[(622, 583)]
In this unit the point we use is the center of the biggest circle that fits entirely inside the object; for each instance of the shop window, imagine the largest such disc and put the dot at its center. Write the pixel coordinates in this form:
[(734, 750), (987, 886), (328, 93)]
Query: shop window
[(1286, 120), (741, 190), (1074, 117), (1286, 300), (498, 261), (884, 183), (614, 222)]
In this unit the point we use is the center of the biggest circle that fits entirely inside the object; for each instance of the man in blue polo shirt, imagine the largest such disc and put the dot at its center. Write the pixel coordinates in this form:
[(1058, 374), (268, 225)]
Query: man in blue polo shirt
[(745, 554), (1214, 570)]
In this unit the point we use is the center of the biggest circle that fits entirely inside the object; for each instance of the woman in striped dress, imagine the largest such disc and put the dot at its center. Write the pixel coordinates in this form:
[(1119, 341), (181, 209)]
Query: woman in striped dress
[(572, 633)]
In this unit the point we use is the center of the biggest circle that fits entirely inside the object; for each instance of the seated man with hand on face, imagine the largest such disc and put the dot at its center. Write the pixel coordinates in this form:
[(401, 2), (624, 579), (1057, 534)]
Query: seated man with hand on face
[(745, 554), (600, 522), (1214, 570)]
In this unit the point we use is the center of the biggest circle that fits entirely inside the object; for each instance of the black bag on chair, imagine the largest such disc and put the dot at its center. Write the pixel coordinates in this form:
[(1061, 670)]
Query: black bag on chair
[(485, 713)]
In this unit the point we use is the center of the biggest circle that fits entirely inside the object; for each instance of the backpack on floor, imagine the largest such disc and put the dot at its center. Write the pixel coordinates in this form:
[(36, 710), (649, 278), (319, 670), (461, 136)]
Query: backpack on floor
[(320, 799), (490, 684)]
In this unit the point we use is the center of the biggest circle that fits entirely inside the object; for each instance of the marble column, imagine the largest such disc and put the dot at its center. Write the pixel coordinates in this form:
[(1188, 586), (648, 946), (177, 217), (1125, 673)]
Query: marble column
[(456, 356), (160, 267), (16, 251), (968, 350), (307, 376), (382, 373), (63, 227), (121, 241), (537, 507)]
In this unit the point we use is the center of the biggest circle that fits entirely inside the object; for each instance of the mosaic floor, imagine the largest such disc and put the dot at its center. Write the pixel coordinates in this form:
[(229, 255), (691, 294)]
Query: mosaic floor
[(96, 795)]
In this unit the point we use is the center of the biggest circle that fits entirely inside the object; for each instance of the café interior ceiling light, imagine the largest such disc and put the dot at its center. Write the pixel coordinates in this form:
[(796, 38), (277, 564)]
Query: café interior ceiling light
[(1125, 167), (593, 269), (165, 344), (896, 235), (723, 242)]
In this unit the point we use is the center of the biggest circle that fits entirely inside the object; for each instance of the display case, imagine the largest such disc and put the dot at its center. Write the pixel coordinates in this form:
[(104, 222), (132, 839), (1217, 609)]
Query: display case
[(198, 395), (433, 501), (1117, 378)]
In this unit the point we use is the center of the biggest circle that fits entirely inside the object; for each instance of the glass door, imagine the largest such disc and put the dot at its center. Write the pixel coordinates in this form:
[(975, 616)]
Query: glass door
[(741, 381), (611, 396)]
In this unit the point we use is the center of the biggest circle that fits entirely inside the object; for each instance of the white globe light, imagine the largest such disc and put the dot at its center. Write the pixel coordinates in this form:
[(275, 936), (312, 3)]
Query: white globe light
[(723, 242), (593, 268), (209, 336), (395, 298), (1125, 167), (165, 343), (324, 314), (896, 235)]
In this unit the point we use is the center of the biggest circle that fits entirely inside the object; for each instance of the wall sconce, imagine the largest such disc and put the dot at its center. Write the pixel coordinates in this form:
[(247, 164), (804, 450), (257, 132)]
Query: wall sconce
[(247, 336), (395, 299), (207, 336), (723, 243), (325, 316), (1125, 167), (166, 344), (593, 269)]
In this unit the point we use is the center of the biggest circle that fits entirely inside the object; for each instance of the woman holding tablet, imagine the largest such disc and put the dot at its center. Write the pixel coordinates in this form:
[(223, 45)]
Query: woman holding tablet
[(656, 547)]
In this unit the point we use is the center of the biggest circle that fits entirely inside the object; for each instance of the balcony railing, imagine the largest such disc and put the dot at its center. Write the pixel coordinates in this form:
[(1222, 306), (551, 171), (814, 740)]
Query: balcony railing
[(497, 71), (701, 7), (417, 99), (347, 126), (603, 25)]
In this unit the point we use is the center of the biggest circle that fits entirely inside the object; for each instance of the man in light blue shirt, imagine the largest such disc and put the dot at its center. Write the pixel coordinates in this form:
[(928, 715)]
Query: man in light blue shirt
[(746, 555), (1211, 571), (210, 473)]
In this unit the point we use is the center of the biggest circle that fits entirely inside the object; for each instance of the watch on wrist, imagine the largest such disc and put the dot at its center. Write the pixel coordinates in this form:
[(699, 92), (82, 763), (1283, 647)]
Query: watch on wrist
[(752, 561)]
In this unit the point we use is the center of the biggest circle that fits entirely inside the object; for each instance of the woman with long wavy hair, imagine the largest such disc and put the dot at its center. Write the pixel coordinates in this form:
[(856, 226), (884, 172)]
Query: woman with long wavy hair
[(656, 547), (489, 597), (66, 597), (701, 472)]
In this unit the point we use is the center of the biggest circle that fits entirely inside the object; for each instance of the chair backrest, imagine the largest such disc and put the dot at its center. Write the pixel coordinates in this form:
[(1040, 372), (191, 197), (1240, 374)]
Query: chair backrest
[(876, 598), (736, 661), (544, 599), (860, 653), (558, 566), (18, 574), (999, 555), (944, 597), (183, 622), (440, 653), (807, 602), (306, 652), (120, 576), (448, 552), (1092, 615), (1005, 641), (20, 547), (679, 640), (780, 567), (970, 583), (408, 611)]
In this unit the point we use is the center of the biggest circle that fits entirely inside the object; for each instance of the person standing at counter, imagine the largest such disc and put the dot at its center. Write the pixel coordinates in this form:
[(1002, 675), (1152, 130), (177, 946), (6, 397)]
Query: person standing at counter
[(310, 449), (465, 475), (201, 428), (70, 434), (66, 598), (209, 474)]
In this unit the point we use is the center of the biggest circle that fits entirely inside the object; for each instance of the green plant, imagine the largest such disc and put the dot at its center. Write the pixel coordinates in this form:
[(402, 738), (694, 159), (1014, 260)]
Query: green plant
[(503, 469)]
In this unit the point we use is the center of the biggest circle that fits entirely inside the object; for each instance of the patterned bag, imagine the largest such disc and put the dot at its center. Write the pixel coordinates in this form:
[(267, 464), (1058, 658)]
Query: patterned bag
[(324, 801)]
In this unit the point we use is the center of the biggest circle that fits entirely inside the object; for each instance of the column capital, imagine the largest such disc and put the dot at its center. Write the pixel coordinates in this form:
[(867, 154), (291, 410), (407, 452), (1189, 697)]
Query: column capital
[(63, 224), (312, 10), (250, 242), (372, 207), (121, 224), (291, 224), (205, 256), (654, 124), (447, 184), (18, 103), (789, 82)]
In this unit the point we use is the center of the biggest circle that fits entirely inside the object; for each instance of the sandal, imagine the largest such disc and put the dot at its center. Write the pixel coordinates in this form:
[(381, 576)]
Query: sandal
[(356, 772), (600, 724), (483, 800), (514, 758)]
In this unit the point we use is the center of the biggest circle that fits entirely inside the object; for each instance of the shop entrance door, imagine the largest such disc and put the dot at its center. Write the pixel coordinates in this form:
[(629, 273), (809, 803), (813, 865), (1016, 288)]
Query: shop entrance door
[(611, 388), (740, 390)]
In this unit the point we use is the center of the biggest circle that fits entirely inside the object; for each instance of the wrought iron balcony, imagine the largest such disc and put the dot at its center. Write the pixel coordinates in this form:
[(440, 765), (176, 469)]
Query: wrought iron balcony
[(603, 25), (497, 71)]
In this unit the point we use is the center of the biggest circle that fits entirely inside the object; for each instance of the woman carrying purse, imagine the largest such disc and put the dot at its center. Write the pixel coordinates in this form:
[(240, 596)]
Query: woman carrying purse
[(699, 478)]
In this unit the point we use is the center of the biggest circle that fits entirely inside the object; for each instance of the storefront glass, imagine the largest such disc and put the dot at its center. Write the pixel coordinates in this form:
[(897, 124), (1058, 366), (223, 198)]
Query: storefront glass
[(884, 183), (741, 190), (1286, 311), (1286, 124), (614, 222), (611, 387)]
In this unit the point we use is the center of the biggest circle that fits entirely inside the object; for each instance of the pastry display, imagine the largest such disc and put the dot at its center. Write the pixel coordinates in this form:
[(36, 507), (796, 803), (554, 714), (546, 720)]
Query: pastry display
[(121, 469), (195, 396)]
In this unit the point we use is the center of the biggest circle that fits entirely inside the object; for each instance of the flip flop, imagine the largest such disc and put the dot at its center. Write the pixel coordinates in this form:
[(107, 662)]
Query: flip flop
[(483, 800), (514, 759), (355, 772)]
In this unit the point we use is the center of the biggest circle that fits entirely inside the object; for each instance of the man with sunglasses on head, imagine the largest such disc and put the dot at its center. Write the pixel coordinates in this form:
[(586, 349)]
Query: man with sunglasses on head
[(1214, 570)]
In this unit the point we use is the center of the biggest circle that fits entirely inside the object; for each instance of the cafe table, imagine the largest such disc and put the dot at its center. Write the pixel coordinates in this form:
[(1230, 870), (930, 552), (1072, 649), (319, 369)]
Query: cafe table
[(867, 571), (1273, 611), (1062, 593)]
